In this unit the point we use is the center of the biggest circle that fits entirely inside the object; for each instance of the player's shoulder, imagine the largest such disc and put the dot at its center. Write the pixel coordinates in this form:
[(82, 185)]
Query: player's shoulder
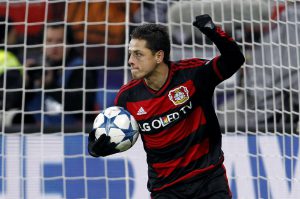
[(125, 90), (132, 84), (188, 63)]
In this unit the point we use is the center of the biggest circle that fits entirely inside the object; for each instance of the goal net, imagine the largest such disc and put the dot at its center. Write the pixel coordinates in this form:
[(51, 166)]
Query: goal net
[(61, 62)]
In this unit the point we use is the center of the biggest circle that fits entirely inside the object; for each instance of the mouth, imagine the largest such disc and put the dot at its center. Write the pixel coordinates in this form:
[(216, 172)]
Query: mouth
[(134, 69)]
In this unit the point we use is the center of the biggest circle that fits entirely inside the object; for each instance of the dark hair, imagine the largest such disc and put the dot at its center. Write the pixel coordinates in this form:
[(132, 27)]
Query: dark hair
[(73, 52), (3, 27), (69, 36), (156, 36)]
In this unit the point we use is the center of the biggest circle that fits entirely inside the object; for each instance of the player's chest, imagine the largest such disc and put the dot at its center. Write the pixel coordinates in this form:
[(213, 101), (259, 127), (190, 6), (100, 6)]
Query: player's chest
[(164, 108)]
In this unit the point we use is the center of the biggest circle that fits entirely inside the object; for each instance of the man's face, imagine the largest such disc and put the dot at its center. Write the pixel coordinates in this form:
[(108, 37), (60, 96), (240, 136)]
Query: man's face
[(54, 44), (141, 59)]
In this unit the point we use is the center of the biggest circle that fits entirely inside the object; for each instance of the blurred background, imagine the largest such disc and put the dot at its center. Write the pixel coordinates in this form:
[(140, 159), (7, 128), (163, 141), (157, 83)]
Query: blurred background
[(61, 62)]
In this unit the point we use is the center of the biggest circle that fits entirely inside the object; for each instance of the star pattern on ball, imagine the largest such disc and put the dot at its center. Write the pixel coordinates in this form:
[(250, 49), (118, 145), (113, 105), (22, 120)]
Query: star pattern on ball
[(119, 124)]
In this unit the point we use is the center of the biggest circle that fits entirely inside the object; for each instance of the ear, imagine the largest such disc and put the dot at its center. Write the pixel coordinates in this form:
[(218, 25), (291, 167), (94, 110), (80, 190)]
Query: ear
[(159, 56)]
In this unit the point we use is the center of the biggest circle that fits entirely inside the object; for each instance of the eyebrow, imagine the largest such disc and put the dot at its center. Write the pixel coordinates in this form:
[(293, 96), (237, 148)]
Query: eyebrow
[(134, 51)]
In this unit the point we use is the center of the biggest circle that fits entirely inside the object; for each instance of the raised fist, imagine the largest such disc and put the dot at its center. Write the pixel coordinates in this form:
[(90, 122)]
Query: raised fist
[(204, 22)]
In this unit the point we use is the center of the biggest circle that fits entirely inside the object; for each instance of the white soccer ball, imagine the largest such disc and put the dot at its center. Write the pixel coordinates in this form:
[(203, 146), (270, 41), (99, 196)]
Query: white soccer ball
[(119, 124)]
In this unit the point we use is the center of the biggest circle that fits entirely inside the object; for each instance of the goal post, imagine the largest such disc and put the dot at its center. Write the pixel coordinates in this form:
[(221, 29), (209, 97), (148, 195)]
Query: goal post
[(258, 107)]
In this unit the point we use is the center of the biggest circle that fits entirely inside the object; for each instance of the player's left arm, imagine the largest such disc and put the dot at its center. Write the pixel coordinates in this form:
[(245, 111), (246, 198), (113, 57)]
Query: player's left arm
[(231, 58)]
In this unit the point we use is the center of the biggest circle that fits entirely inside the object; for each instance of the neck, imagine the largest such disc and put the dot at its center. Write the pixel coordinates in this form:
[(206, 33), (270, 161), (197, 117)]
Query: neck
[(158, 77)]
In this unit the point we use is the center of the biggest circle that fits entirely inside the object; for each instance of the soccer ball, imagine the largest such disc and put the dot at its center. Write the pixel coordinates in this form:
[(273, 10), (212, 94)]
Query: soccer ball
[(119, 124)]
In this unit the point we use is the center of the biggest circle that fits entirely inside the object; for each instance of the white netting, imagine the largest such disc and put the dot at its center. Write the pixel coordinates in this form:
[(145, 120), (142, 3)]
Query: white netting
[(258, 107), (259, 96)]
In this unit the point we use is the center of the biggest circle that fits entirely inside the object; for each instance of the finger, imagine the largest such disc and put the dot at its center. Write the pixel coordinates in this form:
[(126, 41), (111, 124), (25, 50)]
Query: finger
[(203, 18), (102, 138), (107, 139), (92, 135), (200, 17), (103, 141)]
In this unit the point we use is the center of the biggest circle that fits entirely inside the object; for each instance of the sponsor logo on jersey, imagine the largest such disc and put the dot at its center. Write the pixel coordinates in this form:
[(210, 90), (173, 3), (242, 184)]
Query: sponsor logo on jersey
[(141, 111), (164, 121), (179, 95)]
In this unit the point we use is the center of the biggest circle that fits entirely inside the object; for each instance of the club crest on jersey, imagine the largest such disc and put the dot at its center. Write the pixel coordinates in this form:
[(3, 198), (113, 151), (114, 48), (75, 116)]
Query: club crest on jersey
[(179, 95)]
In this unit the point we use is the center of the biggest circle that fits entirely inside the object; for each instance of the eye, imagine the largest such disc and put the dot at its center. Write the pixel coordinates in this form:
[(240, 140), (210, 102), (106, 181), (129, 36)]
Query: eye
[(137, 54)]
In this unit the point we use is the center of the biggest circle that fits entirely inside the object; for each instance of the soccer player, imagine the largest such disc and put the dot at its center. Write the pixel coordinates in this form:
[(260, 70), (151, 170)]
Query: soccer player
[(172, 102)]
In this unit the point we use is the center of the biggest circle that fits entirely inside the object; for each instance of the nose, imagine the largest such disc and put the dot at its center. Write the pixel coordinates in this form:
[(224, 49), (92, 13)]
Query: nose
[(130, 60)]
